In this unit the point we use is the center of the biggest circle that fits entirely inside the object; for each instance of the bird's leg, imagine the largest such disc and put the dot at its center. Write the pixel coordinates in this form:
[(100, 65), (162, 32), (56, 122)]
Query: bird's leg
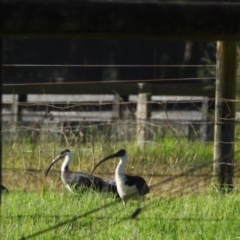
[(69, 188)]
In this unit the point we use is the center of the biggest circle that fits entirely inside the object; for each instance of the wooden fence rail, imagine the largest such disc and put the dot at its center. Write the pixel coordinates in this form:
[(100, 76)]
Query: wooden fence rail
[(41, 111)]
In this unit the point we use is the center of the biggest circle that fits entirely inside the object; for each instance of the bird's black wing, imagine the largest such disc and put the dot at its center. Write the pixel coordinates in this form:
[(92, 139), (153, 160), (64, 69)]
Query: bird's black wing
[(78, 180), (139, 182), (111, 187), (85, 180)]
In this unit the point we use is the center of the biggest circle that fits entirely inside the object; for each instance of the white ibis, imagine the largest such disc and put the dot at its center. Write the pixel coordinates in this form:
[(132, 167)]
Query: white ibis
[(127, 186), (76, 180)]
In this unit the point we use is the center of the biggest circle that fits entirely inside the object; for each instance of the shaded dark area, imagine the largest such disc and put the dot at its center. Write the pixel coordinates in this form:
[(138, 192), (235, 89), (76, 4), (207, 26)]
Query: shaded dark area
[(3, 189), (103, 52), (179, 20)]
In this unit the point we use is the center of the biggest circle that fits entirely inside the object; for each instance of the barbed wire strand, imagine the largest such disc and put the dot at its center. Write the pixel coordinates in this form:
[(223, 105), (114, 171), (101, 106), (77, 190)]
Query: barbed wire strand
[(78, 82)]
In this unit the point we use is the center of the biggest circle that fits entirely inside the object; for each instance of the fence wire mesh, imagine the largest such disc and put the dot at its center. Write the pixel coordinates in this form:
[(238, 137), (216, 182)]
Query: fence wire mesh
[(170, 144)]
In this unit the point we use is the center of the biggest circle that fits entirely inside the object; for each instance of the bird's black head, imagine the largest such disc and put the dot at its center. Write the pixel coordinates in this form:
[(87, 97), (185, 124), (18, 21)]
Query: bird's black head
[(60, 156), (120, 153), (64, 152)]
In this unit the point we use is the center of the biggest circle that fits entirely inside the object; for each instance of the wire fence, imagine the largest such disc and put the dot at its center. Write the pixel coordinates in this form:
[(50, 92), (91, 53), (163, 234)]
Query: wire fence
[(177, 134), (171, 147)]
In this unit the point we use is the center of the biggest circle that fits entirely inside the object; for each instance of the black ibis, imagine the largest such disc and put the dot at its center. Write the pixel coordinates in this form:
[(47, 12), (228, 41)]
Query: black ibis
[(76, 180), (127, 186)]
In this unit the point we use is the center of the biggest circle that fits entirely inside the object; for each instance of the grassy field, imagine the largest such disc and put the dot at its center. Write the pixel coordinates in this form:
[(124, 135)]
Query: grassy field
[(193, 216), (24, 163), (178, 207)]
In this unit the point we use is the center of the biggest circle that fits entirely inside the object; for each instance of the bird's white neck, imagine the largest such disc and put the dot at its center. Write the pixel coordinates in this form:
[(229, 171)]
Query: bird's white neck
[(120, 167), (66, 162)]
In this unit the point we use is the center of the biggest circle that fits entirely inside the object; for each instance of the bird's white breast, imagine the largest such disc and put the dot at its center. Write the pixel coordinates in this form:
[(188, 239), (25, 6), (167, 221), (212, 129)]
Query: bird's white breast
[(124, 190)]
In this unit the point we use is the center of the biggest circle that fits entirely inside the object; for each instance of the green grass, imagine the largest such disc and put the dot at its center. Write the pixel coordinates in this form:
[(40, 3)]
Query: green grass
[(165, 151), (205, 216), (36, 203), (169, 156)]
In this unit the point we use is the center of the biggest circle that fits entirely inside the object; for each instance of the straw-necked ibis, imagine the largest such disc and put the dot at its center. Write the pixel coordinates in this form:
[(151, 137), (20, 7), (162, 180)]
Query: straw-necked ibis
[(76, 180), (127, 186)]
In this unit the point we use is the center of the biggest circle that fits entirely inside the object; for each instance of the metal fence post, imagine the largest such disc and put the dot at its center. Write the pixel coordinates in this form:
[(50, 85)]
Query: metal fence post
[(225, 114)]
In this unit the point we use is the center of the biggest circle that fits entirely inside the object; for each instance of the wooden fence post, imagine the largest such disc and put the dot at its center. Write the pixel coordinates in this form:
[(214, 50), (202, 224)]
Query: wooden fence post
[(225, 114), (143, 112), (14, 110)]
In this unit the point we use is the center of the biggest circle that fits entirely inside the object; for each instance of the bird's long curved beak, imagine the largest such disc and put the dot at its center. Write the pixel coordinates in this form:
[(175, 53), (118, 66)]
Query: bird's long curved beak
[(104, 159), (52, 163)]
